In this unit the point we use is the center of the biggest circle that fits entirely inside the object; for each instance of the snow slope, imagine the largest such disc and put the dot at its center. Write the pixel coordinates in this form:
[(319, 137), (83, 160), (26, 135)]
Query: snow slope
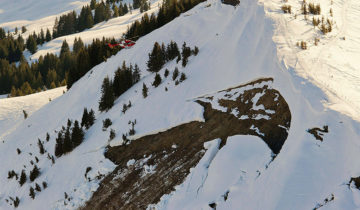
[(34, 14), (240, 49), (11, 109), (114, 27), (333, 64)]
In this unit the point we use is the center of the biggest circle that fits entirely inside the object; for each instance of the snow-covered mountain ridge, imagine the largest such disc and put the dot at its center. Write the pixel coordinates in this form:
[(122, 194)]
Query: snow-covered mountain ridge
[(228, 174)]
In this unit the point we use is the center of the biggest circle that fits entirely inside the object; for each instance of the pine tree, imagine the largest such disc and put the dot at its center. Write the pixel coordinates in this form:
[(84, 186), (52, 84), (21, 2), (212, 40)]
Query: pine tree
[(106, 123), (112, 134), (32, 193), (34, 173), (42, 36), (123, 79), (126, 9), (44, 184), (16, 202), (22, 178), (186, 52), (47, 137), (93, 4), (23, 29), (37, 187), (59, 145), (77, 135), (107, 15), (182, 77), (78, 45), (175, 73), (157, 80), (99, 13), (31, 44), (91, 118), (115, 11), (107, 95), (156, 59), (48, 35), (85, 119), (41, 147), (136, 74), (144, 91), (166, 73), (67, 146), (64, 48), (195, 51)]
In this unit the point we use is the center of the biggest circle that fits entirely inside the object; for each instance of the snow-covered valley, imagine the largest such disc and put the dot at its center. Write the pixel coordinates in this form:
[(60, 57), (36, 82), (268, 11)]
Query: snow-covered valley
[(254, 41)]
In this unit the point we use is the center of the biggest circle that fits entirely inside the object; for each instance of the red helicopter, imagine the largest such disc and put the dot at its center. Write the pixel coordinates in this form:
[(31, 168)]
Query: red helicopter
[(123, 43)]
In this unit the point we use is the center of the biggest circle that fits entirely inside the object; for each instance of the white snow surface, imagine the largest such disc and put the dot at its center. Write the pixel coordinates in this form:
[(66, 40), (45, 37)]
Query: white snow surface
[(34, 14), (333, 65), (245, 45), (114, 27), (11, 109)]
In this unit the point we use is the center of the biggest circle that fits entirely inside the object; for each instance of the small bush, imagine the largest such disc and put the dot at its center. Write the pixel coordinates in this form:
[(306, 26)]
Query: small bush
[(303, 45), (145, 90), (44, 184), (195, 51), (286, 9), (157, 80), (41, 147), (182, 77), (315, 22), (25, 114), (326, 27), (32, 193), (34, 173), (317, 40), (106, 123), (132, 129), (37, 187), (22, 178), (175, 73), (16, 202), (166, 73), (314, 9), (88, 169), (12, 174), (112, 134)]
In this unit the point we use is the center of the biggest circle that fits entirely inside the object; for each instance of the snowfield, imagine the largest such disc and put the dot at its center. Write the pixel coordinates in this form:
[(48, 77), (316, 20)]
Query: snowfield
[(114, 27), (250, 41), (11, 109), (34, 14), (333, 65)]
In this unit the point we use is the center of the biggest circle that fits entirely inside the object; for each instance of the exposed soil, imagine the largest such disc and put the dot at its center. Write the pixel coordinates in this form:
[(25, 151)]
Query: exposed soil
[(134, 187)]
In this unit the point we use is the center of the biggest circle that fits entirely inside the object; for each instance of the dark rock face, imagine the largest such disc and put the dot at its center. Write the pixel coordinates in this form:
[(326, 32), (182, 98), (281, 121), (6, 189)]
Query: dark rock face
[(231, 2), (158, 166)]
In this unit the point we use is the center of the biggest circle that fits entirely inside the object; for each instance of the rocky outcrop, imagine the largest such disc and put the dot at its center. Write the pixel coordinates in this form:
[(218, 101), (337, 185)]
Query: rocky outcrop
[(153, 165)]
